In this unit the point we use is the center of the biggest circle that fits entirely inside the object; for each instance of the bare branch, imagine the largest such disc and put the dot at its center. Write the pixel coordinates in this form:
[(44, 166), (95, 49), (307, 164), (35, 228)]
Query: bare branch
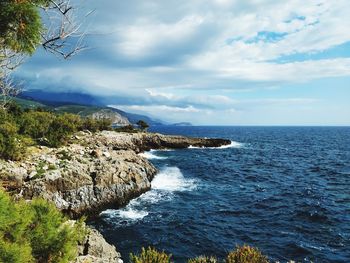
[(64, 36), (8, 91)]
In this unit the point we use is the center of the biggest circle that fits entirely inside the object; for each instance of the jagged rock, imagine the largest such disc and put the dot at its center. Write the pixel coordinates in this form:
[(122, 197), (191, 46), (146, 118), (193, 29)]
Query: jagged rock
[(110, 176), (95, 249), (78, 183), (115, 117)]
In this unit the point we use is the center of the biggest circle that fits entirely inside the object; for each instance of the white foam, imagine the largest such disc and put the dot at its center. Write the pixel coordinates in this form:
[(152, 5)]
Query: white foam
[(164, 185), (133, 214), (150, 155), (126, 213), (171, 179), (233, 144)]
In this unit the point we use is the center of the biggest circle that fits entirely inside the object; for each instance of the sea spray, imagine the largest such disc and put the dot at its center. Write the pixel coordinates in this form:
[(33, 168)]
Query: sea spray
[(164, 186), (233, 144)]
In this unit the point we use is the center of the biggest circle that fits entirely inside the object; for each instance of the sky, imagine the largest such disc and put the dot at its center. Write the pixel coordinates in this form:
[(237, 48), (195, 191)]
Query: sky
[(218, 62)]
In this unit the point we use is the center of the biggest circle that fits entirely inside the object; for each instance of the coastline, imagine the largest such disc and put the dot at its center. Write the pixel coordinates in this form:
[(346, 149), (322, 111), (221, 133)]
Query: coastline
[(93, 172)]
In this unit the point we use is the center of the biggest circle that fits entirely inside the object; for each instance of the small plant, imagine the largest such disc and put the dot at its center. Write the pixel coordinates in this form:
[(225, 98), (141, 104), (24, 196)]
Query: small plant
[(52, 167), (203, 259), (150, 255), (246, 254), (64, 155)]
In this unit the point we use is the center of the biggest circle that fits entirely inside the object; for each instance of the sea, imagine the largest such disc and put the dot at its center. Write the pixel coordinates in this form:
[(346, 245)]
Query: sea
[(285, 190)]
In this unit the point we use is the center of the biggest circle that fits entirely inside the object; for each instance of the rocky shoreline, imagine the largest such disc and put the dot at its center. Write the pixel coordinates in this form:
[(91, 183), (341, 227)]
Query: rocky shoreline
[(92, 172)]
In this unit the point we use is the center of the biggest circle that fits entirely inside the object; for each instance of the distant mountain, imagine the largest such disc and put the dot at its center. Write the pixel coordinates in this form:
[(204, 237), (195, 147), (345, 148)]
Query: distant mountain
[(182, 124), (60, 98), (84, 105), (28, 104)]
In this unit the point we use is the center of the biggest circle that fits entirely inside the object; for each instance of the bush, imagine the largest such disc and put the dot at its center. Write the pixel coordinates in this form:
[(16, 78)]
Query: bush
[(36, 123), (12, 145), (127, 128), (51, 237), (36, 232), (246, 254), (61, 128), (150, 255), (203, 259), (95, 125), (15, 219)]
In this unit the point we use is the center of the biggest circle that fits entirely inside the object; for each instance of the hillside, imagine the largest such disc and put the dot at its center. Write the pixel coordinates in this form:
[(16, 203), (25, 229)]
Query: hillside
[(82, 104)]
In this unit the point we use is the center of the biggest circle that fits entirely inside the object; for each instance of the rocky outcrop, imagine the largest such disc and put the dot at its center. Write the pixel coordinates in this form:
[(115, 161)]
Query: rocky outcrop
[(140, 142), (95, 249), (116, 118), (79, 178), (94, 171)]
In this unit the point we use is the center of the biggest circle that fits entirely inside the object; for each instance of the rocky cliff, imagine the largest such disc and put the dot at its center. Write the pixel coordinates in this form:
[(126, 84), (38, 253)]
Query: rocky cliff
[(95, 249), (93, 172), (116, 118)]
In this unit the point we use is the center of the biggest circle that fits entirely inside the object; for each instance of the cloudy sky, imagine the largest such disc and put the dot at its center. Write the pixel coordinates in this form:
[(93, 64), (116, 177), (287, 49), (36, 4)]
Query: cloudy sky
[(226, 62)]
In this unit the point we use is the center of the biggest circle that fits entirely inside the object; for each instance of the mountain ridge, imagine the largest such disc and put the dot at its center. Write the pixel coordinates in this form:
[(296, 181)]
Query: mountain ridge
[(83, 104)]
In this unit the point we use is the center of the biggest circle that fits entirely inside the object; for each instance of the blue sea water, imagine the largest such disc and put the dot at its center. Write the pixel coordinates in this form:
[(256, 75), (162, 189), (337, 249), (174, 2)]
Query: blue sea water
[(285, 190)]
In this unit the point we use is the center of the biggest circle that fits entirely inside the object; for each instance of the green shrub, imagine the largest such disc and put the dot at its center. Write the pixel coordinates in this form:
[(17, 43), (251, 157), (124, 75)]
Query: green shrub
[(246, 254), (90, 124), (12, 145), (95, 125), (150, 255), (51, 237), (36, 123), (36, 232), (128, 128), (15, 219), (61, 128), (203, 259)]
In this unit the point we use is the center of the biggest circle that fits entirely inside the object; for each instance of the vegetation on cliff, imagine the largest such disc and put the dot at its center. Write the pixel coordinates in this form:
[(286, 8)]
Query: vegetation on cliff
[(22, 128), (36, 231), (242, 254)]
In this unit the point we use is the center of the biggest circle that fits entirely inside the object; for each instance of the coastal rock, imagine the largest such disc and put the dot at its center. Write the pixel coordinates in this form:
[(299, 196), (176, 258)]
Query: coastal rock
[(95, 249), (141, 141), (94, 171), (90, 183)]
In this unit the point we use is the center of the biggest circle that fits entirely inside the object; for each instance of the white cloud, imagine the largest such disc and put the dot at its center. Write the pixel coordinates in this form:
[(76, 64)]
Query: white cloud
[(168, 53), (157, 108)]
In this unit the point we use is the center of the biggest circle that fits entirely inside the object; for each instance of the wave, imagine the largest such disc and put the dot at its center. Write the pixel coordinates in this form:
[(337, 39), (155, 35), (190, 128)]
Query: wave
[(233, 144), (150, 155), (171, 179), (163, 187), (129, 213)]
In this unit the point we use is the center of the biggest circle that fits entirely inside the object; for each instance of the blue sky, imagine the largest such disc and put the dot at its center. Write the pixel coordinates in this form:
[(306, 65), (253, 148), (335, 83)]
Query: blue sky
[(223, 62)]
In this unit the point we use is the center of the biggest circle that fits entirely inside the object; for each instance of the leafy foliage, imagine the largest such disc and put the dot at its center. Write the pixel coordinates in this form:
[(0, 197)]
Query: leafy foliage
[(242, 254), (142, 125), (246, 254), (203, 259), (21, 25), (150, 255), (22, 128), (36, 232)]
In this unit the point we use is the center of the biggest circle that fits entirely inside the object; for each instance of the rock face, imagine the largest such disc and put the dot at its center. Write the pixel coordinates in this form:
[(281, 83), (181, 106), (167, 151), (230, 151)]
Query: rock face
[(95, 249), (140, 142), (115, 117), (93, 172)]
